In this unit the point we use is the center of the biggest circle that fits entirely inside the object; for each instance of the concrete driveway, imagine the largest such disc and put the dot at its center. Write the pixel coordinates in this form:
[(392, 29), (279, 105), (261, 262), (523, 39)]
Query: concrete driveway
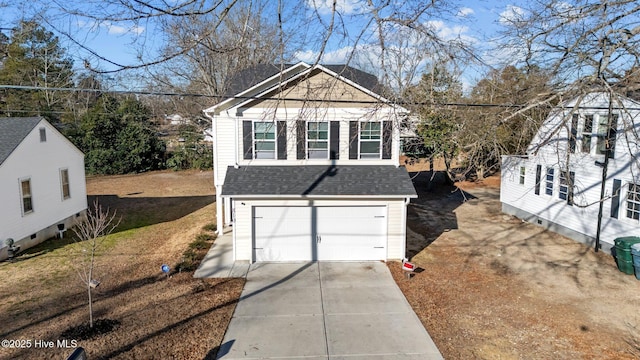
[(324, 310)]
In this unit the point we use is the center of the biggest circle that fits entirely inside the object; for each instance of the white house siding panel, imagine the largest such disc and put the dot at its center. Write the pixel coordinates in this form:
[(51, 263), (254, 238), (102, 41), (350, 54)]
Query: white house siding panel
[(396, 230), (245, 231), (224, 147), (40, 162), (582, 217)]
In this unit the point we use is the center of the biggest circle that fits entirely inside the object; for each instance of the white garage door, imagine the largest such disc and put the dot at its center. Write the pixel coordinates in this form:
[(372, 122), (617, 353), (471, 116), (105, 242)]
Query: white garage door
[(319, 233)]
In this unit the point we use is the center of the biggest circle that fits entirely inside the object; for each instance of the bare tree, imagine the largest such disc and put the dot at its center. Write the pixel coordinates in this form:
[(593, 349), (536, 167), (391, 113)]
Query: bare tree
[(90, 232)]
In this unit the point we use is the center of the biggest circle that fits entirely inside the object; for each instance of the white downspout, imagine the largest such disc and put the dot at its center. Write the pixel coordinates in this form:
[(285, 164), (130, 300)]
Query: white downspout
[(216, 179)]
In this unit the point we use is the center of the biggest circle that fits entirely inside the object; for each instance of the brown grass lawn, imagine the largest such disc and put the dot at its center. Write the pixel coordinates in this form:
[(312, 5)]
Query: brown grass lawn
[(494, 287), (160, 317)]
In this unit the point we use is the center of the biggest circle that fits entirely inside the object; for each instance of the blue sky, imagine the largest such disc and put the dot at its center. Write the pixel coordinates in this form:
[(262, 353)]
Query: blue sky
[(474, 21)]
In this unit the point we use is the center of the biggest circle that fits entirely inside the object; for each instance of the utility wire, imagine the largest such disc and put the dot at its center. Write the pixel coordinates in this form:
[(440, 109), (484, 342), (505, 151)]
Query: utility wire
[(225, 97)]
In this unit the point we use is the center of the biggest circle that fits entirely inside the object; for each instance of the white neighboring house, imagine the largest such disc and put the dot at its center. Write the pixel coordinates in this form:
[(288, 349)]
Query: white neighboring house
[(558, 183), (306, 166), (42, 182)]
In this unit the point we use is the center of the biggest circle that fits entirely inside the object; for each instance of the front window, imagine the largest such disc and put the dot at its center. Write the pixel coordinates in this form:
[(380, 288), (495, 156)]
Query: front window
[(633, 202), (603, 129), (522, 173), (370, 140), (264, 140), (64, 180), (25, 193), (317, 140), (548, 187)]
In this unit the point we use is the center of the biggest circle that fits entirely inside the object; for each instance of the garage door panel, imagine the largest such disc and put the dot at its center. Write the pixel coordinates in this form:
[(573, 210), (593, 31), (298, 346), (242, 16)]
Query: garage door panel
[(282, 234), (320, 233)]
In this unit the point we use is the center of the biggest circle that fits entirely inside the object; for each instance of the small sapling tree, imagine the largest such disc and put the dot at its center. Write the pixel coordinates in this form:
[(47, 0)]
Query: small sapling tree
[(90, 233)]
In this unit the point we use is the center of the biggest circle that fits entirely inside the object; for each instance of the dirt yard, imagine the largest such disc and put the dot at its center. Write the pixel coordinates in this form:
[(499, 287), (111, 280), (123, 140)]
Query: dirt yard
[(177, 317), (493, 287)]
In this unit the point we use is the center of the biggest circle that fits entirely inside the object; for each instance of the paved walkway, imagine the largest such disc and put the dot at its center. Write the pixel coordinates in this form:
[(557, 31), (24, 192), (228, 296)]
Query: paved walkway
[(218, 263), (324, 310)]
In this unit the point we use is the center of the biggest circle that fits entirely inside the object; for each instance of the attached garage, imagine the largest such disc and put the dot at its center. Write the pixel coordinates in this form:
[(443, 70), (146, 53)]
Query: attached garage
[(305, 233), (356, 213)]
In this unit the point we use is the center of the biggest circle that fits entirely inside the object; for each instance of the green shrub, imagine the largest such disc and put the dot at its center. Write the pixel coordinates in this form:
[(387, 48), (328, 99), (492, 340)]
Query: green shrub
[(210, 227)]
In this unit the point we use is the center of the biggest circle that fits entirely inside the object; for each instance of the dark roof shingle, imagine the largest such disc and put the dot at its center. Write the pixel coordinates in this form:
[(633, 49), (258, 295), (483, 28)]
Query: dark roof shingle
[(318, 180), (12, 131), (260, 72)]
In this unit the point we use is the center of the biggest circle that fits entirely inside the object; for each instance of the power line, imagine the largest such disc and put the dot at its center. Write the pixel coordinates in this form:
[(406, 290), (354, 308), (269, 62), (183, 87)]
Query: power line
[(225, 97)]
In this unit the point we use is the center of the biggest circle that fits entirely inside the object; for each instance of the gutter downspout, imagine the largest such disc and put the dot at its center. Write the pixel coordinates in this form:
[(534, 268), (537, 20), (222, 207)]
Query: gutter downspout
[(216, 180)]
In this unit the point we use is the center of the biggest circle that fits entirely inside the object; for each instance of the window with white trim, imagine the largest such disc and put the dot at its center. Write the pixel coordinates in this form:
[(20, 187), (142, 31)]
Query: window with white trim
[(25, 194), (370, 140), (563, 188), (264, 140), (317, 140), (548, 186), (43, 134), (587, 129), (64, 182), (633, 202), (522, 173)]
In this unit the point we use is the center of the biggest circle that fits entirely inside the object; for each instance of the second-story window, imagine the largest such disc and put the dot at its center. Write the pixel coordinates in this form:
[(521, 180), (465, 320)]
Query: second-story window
[(548, 186), (264, 140), (370, 140), (317, 140)]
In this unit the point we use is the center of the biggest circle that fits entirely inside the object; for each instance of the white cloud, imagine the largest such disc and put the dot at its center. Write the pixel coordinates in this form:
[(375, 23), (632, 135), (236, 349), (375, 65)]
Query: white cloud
[(344, 7), (338, 56), (465, 11), (447, 33), (512, 14), (111, 28)]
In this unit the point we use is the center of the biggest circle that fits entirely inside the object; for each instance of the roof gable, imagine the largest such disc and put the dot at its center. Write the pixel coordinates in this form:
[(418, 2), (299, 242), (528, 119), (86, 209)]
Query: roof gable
[(360, 80), (13, 131)]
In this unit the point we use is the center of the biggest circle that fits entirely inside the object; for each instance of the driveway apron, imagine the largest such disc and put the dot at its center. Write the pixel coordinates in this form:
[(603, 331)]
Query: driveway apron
[(324, 310)]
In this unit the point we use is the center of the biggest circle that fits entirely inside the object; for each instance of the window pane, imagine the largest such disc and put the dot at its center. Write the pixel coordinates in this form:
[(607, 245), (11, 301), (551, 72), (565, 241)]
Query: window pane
[(318, 154), (26, 188), (586, 143), (318, 145), (370, 147), (265, 154), (588, 124), (633, 202), (265, 145)]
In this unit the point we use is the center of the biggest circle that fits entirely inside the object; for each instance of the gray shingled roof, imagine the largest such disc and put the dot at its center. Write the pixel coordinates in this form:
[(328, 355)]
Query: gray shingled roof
[(260, 72), (318, 180), (12, 132)]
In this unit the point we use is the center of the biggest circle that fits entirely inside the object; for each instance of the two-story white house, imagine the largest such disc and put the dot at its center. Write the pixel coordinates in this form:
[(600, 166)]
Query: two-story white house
[(558, 184), (306, 166), (42, 182)]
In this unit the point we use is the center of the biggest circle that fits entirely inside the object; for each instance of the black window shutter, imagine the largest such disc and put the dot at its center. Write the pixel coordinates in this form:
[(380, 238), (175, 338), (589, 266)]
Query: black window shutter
[(611, 136), (281, 128), (353, 139), (538, 175), (615, 199), (574, 133), (247, 140), (301, 140), (572, 184), (334, 140), (387, 127)]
